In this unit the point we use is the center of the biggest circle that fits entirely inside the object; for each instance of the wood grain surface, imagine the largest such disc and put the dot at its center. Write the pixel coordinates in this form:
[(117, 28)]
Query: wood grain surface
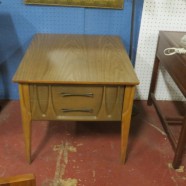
[(20, 180), (175, 65), (76, 59), (66, 102), (76, 77), (117, 4)]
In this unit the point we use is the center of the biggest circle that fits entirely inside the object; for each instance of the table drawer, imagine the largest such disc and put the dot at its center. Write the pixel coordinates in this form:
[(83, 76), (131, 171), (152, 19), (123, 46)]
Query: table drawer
[(77, 100), (83, 102)]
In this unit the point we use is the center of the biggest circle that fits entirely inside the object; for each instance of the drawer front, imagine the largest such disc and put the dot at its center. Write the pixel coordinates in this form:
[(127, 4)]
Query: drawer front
[(81, 102), (77, 100)]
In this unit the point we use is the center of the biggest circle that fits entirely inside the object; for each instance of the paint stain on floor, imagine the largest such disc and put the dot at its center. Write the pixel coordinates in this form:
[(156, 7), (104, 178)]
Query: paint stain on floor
[(62, 160), (96, 162)]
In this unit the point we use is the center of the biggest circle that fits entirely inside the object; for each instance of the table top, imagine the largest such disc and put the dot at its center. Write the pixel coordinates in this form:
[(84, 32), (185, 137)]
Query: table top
[(76, 59), (174, 64)]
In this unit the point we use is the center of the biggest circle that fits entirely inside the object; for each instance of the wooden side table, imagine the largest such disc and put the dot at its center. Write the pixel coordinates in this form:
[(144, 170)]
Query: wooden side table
[(76, 77), (175, 65)]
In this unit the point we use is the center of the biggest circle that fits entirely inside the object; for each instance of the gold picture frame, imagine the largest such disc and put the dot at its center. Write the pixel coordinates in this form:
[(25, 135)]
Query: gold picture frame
[(113, 4)]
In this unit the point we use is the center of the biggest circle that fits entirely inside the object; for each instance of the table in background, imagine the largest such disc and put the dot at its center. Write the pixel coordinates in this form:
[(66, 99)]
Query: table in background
[(76, 77), (175, 65)]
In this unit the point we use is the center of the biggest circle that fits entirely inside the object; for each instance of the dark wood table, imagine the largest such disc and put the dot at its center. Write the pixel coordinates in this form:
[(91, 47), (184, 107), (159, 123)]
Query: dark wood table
[(175, 65), (76, 77)]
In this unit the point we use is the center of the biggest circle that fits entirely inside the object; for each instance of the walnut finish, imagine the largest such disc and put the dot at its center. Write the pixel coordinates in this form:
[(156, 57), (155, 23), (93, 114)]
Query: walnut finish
[(76, 77), (74, 102), (76, 58), (20, 180), (175, 65)]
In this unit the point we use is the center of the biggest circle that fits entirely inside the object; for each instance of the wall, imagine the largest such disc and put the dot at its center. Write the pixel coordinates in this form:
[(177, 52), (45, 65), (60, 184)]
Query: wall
[(158, 15), (19, 22)]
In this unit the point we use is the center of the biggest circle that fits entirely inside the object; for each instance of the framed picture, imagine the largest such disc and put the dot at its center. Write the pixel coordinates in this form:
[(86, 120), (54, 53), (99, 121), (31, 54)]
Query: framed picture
[(114, 4)]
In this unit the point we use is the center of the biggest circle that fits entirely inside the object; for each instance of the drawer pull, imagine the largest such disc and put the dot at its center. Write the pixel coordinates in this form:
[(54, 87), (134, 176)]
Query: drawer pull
[(71, 94), (77, 110)]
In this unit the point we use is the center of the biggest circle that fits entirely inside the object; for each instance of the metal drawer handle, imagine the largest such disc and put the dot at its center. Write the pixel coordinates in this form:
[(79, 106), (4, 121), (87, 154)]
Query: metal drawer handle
[(71, 94), (77, 110)]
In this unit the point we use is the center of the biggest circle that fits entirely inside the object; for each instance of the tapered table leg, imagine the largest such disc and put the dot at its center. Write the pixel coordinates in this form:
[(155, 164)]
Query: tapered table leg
[(153, 80), (26, 118), (126, 119), (180, 146)]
